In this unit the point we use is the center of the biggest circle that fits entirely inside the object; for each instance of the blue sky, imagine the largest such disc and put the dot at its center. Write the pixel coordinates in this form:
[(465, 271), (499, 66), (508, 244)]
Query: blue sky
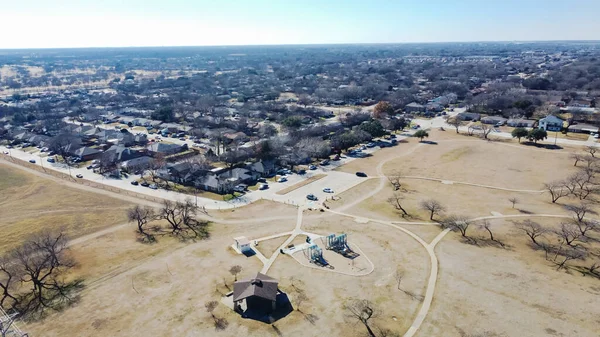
[(120, 23)]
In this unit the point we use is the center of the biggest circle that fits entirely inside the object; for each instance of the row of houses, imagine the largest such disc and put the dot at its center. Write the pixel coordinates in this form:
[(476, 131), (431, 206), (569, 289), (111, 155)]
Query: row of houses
[(548, 123)]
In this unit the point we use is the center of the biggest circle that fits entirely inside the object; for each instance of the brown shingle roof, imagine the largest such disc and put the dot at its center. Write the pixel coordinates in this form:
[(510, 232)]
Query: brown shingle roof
[(262, 286)]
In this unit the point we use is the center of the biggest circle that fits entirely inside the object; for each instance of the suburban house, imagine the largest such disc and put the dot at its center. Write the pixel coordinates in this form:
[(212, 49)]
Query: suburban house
[(259, 293), (120, 153), (165, 149), (550, 123), (86, 153), (583, 128), (223, 181), (140, 163), (468, 116), (414, 107), (493, 120), (264, 168), (434, 107), (520, 123)]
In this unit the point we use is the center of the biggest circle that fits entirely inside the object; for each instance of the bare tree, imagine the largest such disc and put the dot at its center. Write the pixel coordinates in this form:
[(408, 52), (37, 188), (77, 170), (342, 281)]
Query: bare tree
[(513, 201), (567, 255), (235, 270), (142, 215), (570, 233), (8, 280), (396, 201), (585, 226), (458, 223), (394, 179), (557, 190), (363, 311), (592, 150), (486, 225), (181, 218), (579, 210), (220, 323), (533, 229), (577, 158), (43, 261), (455, 122), (433, 206), (594, 268), (486, 129), (398, 276)]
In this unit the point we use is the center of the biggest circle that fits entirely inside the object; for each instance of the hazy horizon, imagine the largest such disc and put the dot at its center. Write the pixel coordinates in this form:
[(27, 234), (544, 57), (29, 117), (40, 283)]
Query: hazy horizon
[(177, 23)]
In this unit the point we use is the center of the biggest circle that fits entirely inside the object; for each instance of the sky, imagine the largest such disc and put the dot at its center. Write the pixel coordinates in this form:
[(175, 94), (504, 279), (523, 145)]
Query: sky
[(128, 23)]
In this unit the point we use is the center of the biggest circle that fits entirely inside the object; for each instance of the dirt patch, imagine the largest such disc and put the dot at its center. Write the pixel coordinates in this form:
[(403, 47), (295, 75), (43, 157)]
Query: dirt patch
[(300, 184)]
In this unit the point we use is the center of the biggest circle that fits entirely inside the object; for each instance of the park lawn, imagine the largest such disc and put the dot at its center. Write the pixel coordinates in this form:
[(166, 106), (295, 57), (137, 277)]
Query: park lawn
[(29, 204)]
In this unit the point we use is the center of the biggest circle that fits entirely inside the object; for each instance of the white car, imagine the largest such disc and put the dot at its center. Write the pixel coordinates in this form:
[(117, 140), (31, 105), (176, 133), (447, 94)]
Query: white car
[(282, 180), (79, 176), (327, 190)]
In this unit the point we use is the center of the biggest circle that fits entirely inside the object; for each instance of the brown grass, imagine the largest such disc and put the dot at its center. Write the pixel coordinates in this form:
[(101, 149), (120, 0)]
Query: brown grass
[(268, 247), (29, 204)]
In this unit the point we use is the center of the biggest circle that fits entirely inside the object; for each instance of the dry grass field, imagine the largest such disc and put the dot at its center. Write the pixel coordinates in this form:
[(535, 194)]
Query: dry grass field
[(29, 204), (481, 290)]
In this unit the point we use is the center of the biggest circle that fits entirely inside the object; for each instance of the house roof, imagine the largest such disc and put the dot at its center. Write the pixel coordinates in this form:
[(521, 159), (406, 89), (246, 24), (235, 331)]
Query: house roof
[(261, 286), (163, 147), (552, 119), (86, 151)]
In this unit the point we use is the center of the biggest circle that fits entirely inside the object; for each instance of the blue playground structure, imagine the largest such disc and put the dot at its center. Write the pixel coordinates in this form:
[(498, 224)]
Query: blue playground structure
[(315, 255), (339, 244)]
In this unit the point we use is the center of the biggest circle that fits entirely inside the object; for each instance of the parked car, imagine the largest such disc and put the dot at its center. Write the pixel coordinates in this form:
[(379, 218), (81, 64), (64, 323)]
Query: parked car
[(145, 184), (312, 167), (90, 167), (32, 161), (282, 180), (325, 162), (361, 174), (134, 183), (5, 152), (263, 186), (336, 157), (370, 145), (327, 190), (261, 180), (79, 176), (153, 186), (312, 197)]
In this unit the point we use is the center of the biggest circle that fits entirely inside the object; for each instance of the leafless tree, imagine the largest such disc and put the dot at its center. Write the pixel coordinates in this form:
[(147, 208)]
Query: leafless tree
[(570, 233), (592, 151), (220, 323), (586, 226), (396, 201), (210, 307), (533, 229), (455, 122), (486, 129), (142, 215), (565, 255), (156, 166), (8, 280), (363, 311), (394, 179), (577, 158), (557, 190), (513, 201), (433, 206), (235, 270), (594, 268), (399, 275), (487, 226), (43, 261), (458, 223), (181, 218), (579, 210)]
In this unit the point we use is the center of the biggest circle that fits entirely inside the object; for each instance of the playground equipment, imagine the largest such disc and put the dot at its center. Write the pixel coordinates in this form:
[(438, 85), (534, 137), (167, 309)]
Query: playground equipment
[(315, 255), (339, 244)]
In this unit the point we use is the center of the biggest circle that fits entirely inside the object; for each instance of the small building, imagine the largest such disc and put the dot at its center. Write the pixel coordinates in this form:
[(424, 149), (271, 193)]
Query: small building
[(259, 293), (493, 120), (468, 116), (414, 107), (242, 244), (583, 128), (520, 123), (550, 123)]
